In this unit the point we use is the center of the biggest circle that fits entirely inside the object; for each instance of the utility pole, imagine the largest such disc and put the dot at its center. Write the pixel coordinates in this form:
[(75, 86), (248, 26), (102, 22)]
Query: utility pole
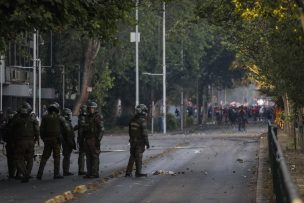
[(164, 68), (39, 90), (34, 69), (136, 55), (1, 80), (182, 92)]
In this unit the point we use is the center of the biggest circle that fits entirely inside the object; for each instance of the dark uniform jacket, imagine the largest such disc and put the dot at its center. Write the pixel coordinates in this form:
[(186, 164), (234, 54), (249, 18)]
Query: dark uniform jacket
[(94, 127), (52, 126), (82, 125), (23, 128), (138, 131), (68, 136)]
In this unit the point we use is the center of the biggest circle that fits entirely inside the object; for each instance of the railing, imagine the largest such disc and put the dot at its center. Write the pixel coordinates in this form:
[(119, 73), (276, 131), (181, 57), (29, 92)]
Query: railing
[(283, 188)]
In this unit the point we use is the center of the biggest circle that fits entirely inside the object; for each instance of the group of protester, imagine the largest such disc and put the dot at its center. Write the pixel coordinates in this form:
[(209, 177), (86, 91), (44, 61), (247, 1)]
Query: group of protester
[(239, 115)]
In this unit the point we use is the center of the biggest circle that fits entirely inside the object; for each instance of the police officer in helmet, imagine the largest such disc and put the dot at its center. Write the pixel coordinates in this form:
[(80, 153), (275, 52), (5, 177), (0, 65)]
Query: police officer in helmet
[(53, 125), (82, 125), (25, 132), (68, 142), (93, 134), (10, 146), (138, 140)]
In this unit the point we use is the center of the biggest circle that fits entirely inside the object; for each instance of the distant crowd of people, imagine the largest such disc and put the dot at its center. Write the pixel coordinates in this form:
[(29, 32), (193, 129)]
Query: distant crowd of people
[(240, 115)]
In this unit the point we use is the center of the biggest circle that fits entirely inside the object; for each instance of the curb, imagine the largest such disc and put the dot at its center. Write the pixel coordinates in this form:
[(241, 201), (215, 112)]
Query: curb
[(259, 196), (263, 157)]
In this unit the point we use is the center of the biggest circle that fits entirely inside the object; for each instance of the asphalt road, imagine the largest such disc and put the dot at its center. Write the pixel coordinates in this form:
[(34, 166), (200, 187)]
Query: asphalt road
[(210, 166)]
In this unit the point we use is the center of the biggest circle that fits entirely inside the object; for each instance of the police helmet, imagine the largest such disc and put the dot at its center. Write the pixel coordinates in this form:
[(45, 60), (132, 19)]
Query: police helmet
[(25, 108), (92, 104), (67, 113), (141, 110), (54, 107)]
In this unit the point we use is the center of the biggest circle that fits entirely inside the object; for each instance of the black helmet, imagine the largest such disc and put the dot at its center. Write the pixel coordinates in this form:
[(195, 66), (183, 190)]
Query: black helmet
[(25, 108), (92, 104), (54, 107), (141, 110), (67, 113)]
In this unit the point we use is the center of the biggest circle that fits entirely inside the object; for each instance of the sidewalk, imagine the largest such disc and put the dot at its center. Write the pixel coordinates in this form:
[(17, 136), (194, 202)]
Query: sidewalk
[(294, 159), (264, 180)]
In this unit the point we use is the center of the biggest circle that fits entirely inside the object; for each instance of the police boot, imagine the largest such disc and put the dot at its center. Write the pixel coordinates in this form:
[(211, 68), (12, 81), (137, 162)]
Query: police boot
[(80, 173), (138, 175), (138, 163), (128, 175), (58, 177), (25, 180), (39, 175), (68, 174)]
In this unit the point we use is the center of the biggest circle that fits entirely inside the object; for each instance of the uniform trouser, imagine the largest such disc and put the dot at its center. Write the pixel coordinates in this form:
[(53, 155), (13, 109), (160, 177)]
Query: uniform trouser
[(67, 151), (24, 156), (81, 159), (11, 163), (49, 147), (136, 155), (92, 155)]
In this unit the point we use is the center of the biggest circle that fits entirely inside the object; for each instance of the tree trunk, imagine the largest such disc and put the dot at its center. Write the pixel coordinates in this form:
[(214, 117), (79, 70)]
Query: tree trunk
[(90, 56)]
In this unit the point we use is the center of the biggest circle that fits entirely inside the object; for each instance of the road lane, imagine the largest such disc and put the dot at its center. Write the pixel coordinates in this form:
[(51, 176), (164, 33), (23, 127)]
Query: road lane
[(208, 170), (115, 156)]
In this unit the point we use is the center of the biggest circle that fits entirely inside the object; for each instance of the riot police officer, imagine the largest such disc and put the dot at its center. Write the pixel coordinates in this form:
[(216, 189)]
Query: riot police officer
[(82, 124), (138, 140), (2, 125), (51, 129), (25, 132), (93, 134), (9, 147), (68, 143)]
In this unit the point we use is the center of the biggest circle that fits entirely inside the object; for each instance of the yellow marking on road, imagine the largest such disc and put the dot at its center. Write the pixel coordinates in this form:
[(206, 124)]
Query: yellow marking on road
[(297, 201), (59, 199), (80, 189), (50, 201), (68, 195)]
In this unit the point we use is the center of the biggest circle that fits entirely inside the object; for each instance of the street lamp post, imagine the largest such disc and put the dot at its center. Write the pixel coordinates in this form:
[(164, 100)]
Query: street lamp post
[(136, 45), (164, 69), (1, 81), (34, 69), (39, 90)]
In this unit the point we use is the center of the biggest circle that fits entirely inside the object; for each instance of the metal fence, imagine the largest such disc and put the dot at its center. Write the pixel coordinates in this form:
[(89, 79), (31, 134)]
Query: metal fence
[(283, 188)]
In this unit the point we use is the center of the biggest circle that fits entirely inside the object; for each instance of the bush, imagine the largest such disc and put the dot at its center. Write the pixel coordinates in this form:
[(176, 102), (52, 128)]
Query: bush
[(171, 122)]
